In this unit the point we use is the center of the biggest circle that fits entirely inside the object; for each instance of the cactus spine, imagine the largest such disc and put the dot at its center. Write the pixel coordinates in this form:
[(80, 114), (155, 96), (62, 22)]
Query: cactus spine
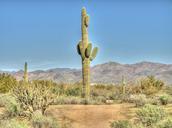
[(25, 73), (84, 49)]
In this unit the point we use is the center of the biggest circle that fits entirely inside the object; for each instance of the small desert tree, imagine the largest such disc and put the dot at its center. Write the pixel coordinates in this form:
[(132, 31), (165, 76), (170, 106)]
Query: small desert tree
[(151, 85), (7, 82)]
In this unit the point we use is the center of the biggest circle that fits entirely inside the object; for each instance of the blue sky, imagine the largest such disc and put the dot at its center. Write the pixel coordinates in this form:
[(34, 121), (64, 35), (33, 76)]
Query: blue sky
[(45, 33)]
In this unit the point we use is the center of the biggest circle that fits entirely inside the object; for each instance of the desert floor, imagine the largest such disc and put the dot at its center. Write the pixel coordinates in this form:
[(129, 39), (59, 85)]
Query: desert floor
[(91, 116)]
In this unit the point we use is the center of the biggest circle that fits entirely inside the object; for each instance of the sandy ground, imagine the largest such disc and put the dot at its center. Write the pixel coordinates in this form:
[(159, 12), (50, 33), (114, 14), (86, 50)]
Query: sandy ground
[(90, 116)]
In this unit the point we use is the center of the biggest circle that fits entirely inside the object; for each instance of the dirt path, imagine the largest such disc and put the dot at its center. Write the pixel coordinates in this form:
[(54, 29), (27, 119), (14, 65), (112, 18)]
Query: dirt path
[(89, 116)]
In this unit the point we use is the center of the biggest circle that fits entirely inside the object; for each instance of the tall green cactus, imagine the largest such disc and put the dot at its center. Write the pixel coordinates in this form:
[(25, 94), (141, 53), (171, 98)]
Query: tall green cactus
[(25, 73), (86, 52), (123, 85)]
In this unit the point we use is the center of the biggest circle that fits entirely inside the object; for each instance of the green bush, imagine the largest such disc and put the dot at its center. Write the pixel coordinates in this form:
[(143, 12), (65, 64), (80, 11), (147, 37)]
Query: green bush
[(121, 124), (138, 99), (167, 123), (40, 121), (11, 106), (164, 99), (13, 123), (73, 91), (149, 115)]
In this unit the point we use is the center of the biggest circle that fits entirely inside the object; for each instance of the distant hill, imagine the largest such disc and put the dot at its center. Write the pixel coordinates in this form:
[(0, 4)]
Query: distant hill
[(110, 72)]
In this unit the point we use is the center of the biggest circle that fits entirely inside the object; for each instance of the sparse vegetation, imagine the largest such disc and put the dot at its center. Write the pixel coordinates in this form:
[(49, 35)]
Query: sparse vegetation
[(151, 85), (41, 121), (13, 123), (7, 82), (149, 115), (121, 124), (164, 99), (167, 123), (11, 105)]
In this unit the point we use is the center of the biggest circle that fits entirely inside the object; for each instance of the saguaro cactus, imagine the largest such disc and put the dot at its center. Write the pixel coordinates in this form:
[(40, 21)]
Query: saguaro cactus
[(86, 52), (123, 85), (25, 73)]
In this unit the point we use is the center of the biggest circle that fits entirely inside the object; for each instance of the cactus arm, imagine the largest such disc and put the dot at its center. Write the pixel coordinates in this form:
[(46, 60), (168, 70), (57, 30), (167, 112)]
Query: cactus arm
[(78, 49), (87, 18), (88, 50), (82, 50), (94, 53)]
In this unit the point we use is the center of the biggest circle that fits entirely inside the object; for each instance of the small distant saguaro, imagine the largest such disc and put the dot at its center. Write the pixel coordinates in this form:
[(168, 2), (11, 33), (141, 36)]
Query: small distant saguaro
[(25, 73), (86, 52)]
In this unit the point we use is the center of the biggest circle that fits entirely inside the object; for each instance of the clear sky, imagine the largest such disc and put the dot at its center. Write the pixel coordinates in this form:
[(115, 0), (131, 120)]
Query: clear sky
[(45, 32)]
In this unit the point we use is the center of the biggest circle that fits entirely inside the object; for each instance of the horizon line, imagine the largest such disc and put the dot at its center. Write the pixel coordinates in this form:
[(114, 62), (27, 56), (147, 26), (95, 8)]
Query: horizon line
[(45, 69)]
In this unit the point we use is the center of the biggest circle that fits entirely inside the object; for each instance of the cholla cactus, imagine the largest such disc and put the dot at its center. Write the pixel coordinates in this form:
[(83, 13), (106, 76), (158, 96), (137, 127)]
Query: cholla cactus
[(25, 77), (33, 97), (86, 52)]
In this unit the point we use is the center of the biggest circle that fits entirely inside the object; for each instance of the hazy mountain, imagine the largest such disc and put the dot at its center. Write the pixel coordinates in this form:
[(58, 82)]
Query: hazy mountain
[(110, 72)]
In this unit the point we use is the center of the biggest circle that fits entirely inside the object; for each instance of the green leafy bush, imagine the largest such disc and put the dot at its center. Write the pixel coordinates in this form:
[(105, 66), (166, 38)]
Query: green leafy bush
[(149, 115), (167, 123), (164, 99), (121, 124), (73, 91)]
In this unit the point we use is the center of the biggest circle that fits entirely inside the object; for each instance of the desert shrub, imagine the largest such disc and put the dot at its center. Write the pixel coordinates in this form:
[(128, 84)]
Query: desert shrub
[(151, 85), (164, 99), (100, 93), (88, 101), (32, 97), (168, 89), (138, 99), (138, 125), (7, 82), (73, 90), (67, 100), (121, 124), (134, 89), (99, 100), (149, 115), (47, 83), (167, 123), (154, 100), (41, 121), (13, 123), (12, 108)]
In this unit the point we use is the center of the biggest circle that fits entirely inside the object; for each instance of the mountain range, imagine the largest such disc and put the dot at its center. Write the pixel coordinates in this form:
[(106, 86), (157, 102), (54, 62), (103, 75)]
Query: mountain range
[(110, 72)]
